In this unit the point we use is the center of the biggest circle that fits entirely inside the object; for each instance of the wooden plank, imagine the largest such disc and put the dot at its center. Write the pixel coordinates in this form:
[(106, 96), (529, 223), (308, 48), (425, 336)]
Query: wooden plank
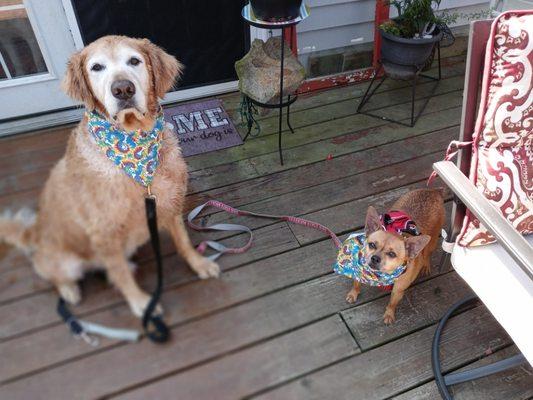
[(399, 365), (421, 306), (20, 316), (269, 363), (392, 101), (307, 201), (513, 384), (36, 140), (196, 341), (339, 138), (283, 182), (19, 282)]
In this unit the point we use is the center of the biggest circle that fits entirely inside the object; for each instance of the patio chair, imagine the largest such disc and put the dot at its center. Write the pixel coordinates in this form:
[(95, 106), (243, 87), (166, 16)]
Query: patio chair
[(492, 185)]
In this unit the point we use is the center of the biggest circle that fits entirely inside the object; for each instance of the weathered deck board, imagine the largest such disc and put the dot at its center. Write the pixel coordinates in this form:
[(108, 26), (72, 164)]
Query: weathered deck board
[(392, 101), (266, 364), (442, 113), (266, 316), (422, 305), (393, 367), (514, 384)]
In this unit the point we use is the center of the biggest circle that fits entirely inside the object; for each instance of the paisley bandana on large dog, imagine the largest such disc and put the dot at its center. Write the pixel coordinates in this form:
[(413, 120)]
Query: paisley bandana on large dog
[(351, 262), (137, 152)]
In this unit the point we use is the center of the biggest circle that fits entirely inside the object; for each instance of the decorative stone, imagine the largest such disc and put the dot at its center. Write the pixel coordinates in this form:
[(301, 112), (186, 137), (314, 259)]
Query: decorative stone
[(259, 70)]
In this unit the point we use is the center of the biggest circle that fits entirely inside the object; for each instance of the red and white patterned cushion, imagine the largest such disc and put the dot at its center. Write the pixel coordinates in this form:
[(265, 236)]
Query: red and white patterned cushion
[(502, 163)]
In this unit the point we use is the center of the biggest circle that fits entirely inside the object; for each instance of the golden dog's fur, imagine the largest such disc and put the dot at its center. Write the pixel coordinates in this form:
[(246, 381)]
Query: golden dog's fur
[(91, 214)]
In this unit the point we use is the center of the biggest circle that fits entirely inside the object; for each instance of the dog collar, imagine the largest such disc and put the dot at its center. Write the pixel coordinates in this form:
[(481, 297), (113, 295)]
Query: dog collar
[(351, 262), (135, 152)]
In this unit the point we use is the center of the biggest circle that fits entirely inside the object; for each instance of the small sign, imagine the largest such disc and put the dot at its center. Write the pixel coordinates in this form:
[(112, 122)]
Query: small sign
[(202, 127)]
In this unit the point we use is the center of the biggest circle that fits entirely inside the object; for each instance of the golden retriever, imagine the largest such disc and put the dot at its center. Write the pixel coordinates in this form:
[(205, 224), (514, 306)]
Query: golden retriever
[(91, 214)]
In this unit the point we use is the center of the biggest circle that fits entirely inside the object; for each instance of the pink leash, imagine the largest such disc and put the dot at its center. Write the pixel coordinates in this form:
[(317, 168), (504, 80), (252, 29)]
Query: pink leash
[(221, 249)]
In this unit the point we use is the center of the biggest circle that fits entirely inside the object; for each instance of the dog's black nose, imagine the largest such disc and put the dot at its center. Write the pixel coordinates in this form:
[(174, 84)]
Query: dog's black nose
[(123, 89), (375, 260)]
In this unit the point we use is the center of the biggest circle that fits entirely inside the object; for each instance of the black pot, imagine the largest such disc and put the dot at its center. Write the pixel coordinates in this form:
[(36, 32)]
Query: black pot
[(276, 10), (408, 52)]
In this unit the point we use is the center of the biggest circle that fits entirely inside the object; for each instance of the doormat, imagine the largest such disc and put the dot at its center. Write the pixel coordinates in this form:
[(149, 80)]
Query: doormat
[(202, 127)]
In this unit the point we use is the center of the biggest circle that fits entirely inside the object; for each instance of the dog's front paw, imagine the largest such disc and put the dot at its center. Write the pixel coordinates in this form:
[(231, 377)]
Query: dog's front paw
[(205, 268), (351, 297), (389, 317), (70, 292), (139, 303)]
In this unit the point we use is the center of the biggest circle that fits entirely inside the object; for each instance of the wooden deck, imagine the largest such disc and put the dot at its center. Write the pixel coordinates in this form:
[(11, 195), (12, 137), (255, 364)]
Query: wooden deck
[(275, 325)]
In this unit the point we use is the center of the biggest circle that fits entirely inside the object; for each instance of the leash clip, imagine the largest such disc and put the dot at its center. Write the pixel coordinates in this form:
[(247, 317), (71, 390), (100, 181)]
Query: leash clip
[(149, 193), (92, 341)]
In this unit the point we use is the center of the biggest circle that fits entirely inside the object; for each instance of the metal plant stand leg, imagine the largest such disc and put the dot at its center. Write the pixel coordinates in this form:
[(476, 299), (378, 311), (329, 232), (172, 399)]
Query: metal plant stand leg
[(413, 95), (289, 116), (368, 94), (443, 381), (414, 80), (281, 95), (249, 121)]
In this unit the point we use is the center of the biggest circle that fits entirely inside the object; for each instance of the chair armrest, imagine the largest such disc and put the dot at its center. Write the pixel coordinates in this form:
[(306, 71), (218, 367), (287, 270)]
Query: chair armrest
[(512, 241)]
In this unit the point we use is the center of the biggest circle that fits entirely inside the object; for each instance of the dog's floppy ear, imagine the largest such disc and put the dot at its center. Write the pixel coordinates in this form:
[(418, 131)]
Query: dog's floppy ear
[(164, 68), (372, 223), (75, 83), (415, 244)]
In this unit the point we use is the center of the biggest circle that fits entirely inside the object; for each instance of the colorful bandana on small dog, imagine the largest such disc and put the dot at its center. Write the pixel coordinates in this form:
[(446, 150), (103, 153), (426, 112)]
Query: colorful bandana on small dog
[(136, 152), (351, 262)]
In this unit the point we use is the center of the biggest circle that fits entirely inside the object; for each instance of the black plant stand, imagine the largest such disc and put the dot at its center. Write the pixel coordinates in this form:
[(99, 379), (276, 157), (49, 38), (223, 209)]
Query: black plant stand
[(413, 73), (283, 103)]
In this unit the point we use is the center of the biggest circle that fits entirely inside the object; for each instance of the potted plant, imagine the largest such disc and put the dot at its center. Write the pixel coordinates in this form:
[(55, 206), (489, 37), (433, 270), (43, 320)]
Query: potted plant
[(276, 10), (410, 38)]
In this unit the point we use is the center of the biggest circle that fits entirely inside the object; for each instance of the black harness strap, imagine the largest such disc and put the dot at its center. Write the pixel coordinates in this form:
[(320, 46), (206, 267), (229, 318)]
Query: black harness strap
[(154, 327)]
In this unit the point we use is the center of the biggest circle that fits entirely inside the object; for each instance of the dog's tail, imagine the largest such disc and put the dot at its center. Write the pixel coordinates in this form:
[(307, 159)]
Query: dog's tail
[(17, 229)]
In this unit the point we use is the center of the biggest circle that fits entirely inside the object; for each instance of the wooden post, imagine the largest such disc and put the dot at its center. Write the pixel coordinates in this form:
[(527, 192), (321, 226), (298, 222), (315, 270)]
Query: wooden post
[(382, 15), (289, 35)]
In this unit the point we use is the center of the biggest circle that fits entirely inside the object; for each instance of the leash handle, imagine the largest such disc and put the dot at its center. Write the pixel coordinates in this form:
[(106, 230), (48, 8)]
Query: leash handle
[(154, 327), (221, 249)]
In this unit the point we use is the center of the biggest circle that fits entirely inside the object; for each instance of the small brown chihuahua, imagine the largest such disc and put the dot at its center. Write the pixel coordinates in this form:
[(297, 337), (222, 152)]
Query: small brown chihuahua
[(386, 250)]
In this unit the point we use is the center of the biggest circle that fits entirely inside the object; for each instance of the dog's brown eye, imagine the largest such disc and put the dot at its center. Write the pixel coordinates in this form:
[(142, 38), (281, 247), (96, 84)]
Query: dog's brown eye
[(372, 245), (97, 67), (134, 61), (391, 254)]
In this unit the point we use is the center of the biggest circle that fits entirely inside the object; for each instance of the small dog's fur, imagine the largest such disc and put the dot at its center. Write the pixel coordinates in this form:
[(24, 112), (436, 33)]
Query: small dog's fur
[(90, 212), (426, 208)]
